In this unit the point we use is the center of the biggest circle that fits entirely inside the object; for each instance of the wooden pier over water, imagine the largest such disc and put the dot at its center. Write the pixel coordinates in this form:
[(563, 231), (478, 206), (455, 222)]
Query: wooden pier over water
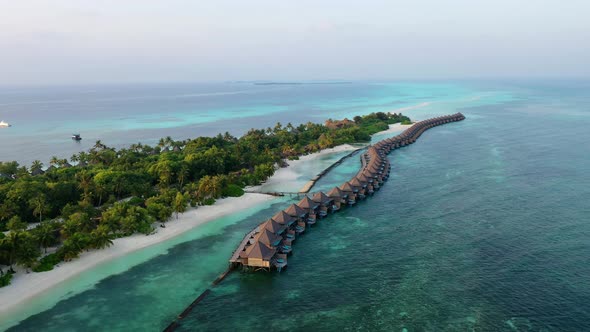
[(266, 246)]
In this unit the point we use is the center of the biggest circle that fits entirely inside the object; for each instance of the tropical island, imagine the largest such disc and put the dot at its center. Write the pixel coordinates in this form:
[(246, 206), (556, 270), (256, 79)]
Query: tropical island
[(52, 215)]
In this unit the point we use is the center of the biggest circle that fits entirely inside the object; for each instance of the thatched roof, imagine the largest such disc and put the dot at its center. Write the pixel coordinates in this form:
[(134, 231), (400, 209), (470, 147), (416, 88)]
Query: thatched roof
[(268, 238), (363, 177), (321, 198), (356, 182), (283, 218), (307, 203), (295, 211), (336, 192), (273, 226), (66, 165), (261, 251), (50, 168), (176, 148), (347, 187), (37, 171)]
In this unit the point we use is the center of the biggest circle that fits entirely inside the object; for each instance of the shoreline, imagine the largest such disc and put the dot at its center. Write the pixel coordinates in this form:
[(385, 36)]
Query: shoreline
[(25, 287), (289, 176)]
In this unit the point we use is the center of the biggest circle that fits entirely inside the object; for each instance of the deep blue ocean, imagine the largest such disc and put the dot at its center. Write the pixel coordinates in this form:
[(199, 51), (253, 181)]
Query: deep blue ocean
[(484, 224)]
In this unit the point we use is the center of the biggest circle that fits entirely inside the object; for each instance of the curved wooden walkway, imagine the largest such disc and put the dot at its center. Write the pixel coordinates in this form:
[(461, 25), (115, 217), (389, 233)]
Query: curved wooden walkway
[(374, 166)]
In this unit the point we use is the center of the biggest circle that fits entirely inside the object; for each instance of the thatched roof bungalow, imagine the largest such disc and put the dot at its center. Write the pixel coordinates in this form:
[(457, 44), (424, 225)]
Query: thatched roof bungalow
[(295, 211), (269, 238), (258, 255), (283, 218), (322, 199), (308, 204), (274, 227)]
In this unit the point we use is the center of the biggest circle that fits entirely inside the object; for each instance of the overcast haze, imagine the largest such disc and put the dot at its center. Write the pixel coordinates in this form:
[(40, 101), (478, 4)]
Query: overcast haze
[(75, 41)]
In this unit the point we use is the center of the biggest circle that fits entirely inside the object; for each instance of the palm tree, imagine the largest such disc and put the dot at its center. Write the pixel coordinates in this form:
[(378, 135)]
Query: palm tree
[(99, 146), (101, 238), (10, 244), (36, 166), (162, 169), (162, 143), (83, 157), (179, 203), (75, 158), (84, 181), (45, 234), (27, 251), (54, 161), (39, 205), (183, 173), (169, 141), (100, 190)]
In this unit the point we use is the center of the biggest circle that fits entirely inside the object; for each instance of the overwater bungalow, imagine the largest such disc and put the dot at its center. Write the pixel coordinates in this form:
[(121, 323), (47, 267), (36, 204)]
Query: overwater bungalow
[(269, 238), (284, 219), (350, 191), (325, 202), (364, 178), (359, 186), (268, 244), (258, 256), (339, 197), (274, 227), (310, 207), (295, 211)]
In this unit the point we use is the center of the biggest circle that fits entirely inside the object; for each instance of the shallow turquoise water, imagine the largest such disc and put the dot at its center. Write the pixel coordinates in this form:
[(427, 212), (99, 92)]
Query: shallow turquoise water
[(482, 226), (44, 118)]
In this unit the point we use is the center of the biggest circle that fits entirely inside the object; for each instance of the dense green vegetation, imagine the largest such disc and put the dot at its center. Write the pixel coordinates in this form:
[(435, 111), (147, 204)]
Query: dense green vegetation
[(113, 193)]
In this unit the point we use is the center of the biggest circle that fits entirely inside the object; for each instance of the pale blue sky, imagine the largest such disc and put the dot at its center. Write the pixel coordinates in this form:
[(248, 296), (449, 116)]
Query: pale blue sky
[(92, 41)]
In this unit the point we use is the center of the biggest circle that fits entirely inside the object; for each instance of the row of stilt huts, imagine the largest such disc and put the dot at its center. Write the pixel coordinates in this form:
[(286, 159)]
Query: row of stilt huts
[(268, 245)]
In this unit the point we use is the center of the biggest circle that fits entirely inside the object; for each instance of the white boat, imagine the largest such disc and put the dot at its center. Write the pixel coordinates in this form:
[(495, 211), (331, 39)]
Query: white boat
[(4, 124)]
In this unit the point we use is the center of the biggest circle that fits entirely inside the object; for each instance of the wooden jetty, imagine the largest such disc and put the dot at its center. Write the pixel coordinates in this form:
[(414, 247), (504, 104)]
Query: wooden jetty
[(267, 246), (261, 250)]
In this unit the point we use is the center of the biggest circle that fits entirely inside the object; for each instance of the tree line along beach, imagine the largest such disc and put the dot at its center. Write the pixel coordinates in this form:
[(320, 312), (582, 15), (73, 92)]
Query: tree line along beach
[(81, 207)]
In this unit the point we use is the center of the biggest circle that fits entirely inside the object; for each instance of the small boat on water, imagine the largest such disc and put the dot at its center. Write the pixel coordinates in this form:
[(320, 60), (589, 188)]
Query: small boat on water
[(76, 137), (4, 124)]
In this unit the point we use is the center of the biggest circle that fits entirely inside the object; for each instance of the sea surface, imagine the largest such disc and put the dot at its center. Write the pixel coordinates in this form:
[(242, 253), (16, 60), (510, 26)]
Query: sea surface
[(484, 225), (44, 118)]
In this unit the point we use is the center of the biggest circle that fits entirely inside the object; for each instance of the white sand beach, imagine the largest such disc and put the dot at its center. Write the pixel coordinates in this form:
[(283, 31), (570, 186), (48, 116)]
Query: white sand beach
[(288, 178), (25, 286), (394, 129)]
